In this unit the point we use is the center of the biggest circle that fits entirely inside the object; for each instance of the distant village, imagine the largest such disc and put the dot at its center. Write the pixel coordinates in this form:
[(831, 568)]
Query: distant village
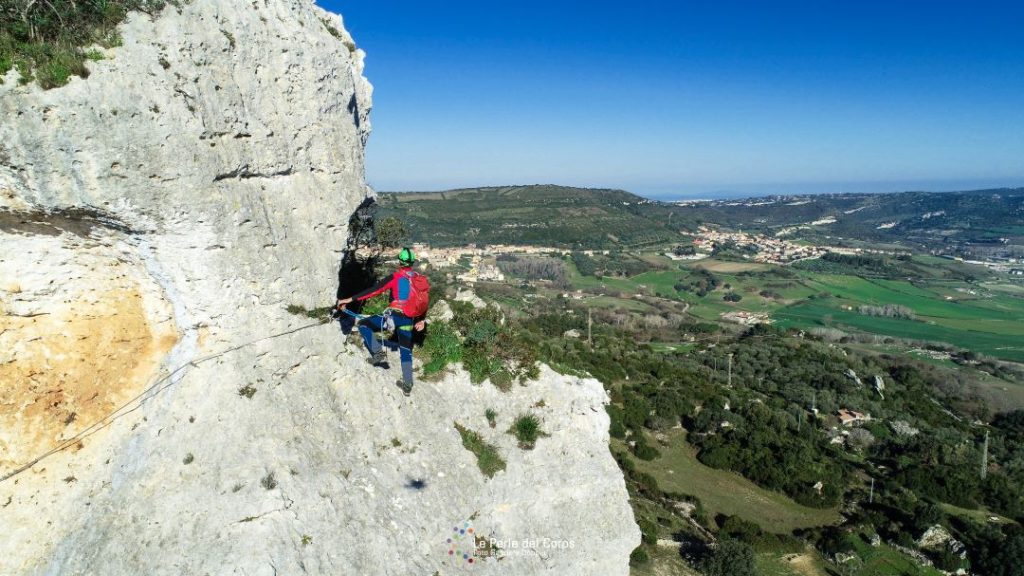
[(770, 249), (481, 268), (765, 249)]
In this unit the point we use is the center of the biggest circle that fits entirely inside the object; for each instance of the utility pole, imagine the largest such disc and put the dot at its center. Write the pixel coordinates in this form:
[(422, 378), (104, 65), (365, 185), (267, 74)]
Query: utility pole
[(590, 324), (814, 402), (984, 458), (730, 370), (871, 495)]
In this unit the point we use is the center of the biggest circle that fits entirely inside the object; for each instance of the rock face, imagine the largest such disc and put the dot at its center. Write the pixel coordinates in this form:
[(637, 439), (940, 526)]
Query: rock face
[(155, 221)]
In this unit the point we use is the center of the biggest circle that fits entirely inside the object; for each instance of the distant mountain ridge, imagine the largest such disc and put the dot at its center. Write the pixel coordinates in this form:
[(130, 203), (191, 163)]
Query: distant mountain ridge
[(538, 215), (604, 218)]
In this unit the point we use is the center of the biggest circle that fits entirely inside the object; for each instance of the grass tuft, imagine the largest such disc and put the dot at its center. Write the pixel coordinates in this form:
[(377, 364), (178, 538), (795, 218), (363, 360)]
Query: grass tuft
[(527, 431), (330, 28), (487, 457), (442, 347), (230, 37), (298, 310)]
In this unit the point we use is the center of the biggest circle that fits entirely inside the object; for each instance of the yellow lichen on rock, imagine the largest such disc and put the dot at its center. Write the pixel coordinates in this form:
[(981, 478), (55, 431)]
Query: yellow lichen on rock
[(66, 369), (83, 327)]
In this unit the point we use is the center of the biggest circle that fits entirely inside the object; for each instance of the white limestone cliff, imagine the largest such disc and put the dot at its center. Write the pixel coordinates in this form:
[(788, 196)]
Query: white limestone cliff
[(169, 207)]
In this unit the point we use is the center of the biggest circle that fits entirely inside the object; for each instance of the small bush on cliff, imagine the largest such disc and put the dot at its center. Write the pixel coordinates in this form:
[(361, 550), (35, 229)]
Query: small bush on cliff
[(527, 431), (488, 345), (321, 312), (48, 40), (487, 457), (638, 557), (442, 347)]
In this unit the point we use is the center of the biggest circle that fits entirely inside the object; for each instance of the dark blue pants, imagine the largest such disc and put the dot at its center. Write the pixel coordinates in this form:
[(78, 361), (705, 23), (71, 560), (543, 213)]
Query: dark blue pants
[(402, 335)]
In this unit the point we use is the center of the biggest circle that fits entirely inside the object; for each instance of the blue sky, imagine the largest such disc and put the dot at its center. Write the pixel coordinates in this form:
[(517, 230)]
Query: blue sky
[(694, 98)]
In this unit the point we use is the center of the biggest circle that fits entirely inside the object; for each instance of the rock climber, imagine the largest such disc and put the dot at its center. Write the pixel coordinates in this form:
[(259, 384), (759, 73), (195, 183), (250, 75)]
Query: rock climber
[(406, 313)]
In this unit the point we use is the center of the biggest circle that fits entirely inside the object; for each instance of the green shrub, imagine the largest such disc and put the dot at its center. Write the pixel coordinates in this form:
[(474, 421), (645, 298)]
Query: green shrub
[(527, 431), (442, 347), (648, 532), (496, 348), (480, 364), (330, 28), (47, 40), (647, 484), (55, 73), (729, 558), (487, 457), (638, 556), (391, 232), (298, 310), (482, 332), (616, 429), (643, 450)]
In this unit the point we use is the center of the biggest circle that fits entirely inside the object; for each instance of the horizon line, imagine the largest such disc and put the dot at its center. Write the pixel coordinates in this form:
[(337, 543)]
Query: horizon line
[(714, 195)]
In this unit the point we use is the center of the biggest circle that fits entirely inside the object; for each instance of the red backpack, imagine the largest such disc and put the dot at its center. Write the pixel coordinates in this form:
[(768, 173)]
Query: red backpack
[(419, 295)]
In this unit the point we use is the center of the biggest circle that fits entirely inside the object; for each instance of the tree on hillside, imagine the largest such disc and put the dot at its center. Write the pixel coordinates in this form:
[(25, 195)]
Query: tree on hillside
[(391, 232), (1005, 558), (729, 558)]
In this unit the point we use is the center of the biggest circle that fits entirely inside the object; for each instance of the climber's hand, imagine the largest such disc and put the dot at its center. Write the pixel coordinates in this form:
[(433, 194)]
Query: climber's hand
[(420, 326), (342, 302)]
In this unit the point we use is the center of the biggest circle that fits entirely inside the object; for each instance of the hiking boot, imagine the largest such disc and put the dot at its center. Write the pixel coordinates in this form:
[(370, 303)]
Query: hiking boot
[(378, 358), (406, 388)]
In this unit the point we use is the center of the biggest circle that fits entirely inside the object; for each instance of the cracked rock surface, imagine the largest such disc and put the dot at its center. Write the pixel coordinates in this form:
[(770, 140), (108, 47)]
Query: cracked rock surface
[(168, 208)]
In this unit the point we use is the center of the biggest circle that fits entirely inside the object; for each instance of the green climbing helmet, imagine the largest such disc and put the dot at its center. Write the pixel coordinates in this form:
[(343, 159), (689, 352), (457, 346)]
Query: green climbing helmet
[(405, 256)]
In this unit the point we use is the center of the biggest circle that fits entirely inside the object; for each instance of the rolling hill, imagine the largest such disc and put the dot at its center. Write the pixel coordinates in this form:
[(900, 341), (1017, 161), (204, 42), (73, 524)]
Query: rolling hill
[(972, 223)]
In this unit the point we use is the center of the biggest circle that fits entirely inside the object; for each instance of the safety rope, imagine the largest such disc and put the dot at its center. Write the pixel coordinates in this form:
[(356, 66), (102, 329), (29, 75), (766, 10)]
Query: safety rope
[(379, 334), (166, 381), (151, 391)]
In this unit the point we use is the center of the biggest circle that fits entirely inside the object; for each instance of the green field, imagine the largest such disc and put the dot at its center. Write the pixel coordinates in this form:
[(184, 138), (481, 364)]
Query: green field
[(993, 325), (925, 303), (989, 321), (982, 516), (602, 283), (1000, 394), (886, 561), (724, 492), (788, 564), (661, 282), (672, 346), (665, 561)]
